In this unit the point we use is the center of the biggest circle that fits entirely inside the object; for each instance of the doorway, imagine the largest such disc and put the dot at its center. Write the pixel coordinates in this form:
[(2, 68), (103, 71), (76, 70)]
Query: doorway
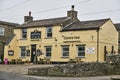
[(105, 53), (33, 52)]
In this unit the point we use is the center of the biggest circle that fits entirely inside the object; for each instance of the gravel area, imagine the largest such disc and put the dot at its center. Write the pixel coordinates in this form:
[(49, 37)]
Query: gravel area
[(20, 69)]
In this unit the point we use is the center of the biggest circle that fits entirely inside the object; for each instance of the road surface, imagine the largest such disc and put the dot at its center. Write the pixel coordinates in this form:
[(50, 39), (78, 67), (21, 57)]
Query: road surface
[(18, 72), (14, 76)]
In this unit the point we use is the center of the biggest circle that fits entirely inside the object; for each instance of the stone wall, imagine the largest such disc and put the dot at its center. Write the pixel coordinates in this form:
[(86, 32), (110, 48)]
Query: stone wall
[(113, 58), (9, 31), (78, 70)]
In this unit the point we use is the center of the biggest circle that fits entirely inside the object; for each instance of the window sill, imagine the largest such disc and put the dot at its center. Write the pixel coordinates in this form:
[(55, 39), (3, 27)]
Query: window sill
[(47, 57), (48, 38), (80, 57), (65, 57), (23, 57), (10, 54), (24, 39), (35, 39)]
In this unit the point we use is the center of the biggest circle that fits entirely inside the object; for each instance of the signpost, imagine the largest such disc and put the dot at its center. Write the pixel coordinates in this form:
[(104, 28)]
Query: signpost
[(90, 50)]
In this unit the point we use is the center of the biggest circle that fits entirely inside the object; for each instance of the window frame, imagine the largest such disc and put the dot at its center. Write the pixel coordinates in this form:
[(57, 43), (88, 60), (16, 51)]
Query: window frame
[(11, 53), (47, 32), (2, 30), (23, 52), (38, 36), (48, 52), (64, 52), (83, 51), (24, 33)]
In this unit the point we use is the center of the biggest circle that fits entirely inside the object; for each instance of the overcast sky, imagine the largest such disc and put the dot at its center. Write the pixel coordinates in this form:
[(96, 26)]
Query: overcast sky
[(15, 10)]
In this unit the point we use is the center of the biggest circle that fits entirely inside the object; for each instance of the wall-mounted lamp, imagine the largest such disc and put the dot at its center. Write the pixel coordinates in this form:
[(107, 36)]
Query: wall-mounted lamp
[(39, 52), (55, 39), (72, 44), (55, 45), (39, 45), (27, 46), (9, 46), (92, 37), (62, 36), (28, 52)]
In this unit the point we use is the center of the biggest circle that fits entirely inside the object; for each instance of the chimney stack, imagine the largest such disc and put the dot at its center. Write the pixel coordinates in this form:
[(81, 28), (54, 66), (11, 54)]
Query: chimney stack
[(28, 18), (73, 14)]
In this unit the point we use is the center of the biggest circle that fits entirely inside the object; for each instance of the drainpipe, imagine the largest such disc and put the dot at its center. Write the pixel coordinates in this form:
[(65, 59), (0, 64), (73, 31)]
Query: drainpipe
[(97, 45), (2, 56)]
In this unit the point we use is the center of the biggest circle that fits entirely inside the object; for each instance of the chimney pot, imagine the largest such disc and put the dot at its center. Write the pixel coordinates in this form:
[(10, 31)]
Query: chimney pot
[(72, 7), (29, 13)]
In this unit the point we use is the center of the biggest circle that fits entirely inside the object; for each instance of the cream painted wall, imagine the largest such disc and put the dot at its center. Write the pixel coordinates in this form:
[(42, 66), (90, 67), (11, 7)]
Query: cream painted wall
[(12, 46), (108, 36)]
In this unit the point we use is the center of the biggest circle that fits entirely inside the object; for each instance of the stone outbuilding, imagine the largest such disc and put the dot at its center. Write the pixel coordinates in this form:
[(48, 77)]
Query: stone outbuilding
[(6, 32)]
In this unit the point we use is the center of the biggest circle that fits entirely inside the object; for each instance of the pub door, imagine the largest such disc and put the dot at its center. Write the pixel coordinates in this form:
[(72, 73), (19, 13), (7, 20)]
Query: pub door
[(105, 53), (33, 52)]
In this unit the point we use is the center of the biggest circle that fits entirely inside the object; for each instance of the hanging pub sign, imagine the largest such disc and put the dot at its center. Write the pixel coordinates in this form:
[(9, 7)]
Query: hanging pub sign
[(28, 53), (10, 52), (36, 34)]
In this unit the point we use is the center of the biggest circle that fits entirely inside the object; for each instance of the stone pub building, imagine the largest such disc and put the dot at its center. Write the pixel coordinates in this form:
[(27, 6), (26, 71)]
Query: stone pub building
[(62, 39)]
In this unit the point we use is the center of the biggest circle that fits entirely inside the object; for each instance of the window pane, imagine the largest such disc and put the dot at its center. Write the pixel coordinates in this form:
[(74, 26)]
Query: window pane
[(49, 32), (81, 54), (65, 51), (48, 54), (35, 35), (22, 54), (24, 36), (23, 51), (81, 50), (2, 30), (24, 30), (48, 51), (24, 33)]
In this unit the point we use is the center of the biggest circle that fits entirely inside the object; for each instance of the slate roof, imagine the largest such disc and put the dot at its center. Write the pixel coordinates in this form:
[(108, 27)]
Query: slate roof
[(85, 25), (117, 26), (45, 22), (80, 25), (9, 39), (8, 23)]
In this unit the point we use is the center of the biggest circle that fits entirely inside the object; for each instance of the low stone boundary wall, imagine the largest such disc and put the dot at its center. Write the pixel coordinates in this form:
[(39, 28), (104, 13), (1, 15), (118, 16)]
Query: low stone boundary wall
[(78, 70), (113, 58)]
